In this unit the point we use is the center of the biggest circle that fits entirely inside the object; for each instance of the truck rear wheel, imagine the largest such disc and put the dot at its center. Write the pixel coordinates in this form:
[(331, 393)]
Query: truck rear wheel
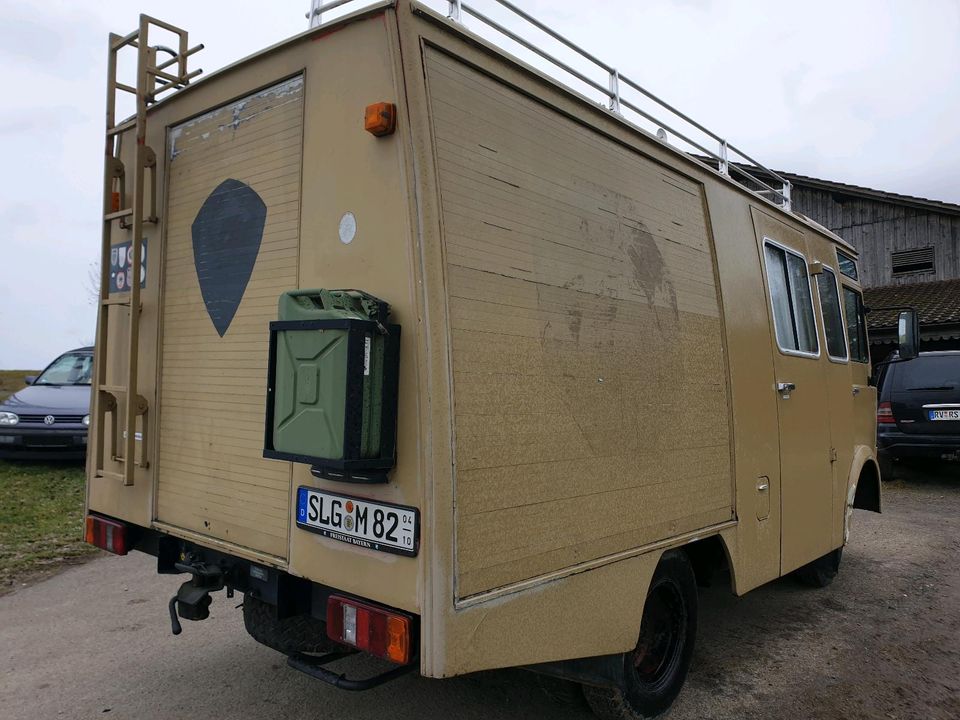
[(297, 634), (655, 670)]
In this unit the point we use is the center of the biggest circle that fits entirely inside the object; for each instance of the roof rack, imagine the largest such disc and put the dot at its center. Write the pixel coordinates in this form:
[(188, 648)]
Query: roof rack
[(604, 84)]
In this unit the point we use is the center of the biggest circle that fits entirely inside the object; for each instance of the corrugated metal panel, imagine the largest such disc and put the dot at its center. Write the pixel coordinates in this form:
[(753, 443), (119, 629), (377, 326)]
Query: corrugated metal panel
[(233, 224), (585, 322)]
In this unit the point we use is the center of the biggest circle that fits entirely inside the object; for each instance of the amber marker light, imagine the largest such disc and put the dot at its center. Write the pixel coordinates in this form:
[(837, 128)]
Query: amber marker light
[(380, 119)]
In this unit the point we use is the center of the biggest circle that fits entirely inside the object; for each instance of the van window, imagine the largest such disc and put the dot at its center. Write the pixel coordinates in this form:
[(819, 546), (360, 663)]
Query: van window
[(856, 325), (832, 314), (848, 266), (792, 302)]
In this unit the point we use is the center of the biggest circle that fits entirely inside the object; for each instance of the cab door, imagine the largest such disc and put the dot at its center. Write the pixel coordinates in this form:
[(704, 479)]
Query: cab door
[(806, 482)]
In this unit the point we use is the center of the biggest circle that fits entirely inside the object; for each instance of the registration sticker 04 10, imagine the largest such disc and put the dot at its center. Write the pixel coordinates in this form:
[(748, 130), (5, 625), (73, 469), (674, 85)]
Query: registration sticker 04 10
[(366, 523)]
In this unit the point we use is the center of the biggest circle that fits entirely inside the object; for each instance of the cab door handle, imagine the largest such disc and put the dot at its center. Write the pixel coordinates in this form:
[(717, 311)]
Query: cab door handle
[(786, 387)]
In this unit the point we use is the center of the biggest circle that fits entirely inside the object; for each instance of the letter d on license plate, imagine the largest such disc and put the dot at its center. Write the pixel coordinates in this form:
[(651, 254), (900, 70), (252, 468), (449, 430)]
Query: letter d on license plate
[(374, 525)]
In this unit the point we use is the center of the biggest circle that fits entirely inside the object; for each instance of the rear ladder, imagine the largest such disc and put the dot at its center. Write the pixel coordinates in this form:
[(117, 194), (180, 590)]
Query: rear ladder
[(124, 401)]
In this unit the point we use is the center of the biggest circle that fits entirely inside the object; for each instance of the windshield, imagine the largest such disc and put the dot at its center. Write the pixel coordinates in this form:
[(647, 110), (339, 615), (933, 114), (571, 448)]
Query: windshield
[(69, 369)]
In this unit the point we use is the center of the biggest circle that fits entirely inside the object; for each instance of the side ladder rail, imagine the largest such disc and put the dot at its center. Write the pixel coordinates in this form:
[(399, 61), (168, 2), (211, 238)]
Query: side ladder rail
[(152, 80)]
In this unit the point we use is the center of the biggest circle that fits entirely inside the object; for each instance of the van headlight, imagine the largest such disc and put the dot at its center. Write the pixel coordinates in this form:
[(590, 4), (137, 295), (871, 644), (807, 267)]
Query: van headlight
[(86, 420), (9, 418)]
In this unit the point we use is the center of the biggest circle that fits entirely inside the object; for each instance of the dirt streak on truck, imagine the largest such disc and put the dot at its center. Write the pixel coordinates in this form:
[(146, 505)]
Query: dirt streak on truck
[(435, 359)]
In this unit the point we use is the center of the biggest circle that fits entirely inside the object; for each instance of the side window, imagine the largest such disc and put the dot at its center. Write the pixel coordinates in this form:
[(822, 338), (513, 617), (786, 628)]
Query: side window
[(832, 315), (856, 325), (791, 299), (848, 266)]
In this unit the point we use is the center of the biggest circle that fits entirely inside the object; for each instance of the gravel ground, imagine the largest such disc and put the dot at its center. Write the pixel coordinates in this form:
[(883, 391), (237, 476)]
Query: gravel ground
[(882, 642)]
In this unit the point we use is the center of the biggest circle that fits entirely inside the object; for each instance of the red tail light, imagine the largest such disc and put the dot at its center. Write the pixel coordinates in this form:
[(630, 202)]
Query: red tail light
[(374, 630), (885, 414), (108, 535)]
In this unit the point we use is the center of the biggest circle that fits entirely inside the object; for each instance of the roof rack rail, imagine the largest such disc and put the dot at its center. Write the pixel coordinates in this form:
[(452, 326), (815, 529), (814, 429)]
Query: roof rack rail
[(588, 75)]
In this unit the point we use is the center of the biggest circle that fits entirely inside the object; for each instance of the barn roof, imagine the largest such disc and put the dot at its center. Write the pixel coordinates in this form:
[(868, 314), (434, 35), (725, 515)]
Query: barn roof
[(937, 304), (847, 189), (865, 192)]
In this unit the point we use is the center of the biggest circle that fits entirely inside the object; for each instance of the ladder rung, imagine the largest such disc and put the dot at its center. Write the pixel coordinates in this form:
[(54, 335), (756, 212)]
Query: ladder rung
[(126, 125), (125, 40), (114, 389), (118, 214), (126, 88), (136, 463), (116, 301), (110, 475)]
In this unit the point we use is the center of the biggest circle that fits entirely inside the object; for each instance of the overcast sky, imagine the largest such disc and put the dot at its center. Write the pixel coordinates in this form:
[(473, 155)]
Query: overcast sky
[(859, 92)]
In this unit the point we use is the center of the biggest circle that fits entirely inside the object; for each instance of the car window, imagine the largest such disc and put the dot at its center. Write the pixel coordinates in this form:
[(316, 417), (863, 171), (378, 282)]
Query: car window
[(69, 369), (856, 325), (793, 318), (832, 314), (929, 372)]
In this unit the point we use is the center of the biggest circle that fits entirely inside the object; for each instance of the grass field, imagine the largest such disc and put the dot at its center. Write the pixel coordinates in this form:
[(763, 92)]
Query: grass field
[(12, 380), (41, 519)]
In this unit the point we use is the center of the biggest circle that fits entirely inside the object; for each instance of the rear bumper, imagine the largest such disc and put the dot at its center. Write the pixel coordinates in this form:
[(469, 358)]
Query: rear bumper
[(289, 595), (897, 445), (30, 443)]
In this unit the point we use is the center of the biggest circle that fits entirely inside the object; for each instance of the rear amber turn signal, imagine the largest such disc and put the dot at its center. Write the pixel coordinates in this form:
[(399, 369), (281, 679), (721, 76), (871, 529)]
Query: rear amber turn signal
[(373, 629), (108, 535), (380, 118)]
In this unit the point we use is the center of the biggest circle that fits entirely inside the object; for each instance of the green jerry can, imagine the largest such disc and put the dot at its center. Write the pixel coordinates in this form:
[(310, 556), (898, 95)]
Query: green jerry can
[(332, 384)]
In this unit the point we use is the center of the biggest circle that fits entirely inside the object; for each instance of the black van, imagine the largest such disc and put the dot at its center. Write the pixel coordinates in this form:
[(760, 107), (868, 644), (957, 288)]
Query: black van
[(918, 411)]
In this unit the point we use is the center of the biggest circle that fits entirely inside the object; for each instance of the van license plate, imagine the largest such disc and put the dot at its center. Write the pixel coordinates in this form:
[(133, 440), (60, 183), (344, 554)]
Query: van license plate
[(944, 414), (374, 525)]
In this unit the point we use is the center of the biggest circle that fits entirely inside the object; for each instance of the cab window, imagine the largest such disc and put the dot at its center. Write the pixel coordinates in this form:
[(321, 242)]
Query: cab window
[(856, 325), (790, 296), (848, 266), (832, 315)]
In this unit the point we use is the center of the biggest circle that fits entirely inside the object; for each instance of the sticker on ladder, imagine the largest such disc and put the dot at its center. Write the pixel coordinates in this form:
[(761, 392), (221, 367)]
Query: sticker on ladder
[(121, 265)]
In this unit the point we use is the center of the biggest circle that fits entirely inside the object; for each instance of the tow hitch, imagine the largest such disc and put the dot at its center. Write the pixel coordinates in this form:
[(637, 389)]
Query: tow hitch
[(192, 601)]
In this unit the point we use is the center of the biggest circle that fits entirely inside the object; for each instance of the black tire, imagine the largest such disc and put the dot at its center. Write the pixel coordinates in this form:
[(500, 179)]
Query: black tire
[(300, 633), (821, 571), (654, 671), (886, 467)]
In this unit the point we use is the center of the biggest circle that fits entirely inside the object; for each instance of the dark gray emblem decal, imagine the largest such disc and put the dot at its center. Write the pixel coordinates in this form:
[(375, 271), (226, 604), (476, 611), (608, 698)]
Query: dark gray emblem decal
[(226, 239)]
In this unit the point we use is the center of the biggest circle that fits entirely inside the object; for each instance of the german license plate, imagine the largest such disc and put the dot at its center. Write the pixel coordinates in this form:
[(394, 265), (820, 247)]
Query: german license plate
[(944, 414), (374, 525)]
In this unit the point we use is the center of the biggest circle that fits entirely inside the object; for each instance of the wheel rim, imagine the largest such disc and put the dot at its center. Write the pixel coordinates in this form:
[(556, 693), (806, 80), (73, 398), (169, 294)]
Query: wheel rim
[(662, 633)]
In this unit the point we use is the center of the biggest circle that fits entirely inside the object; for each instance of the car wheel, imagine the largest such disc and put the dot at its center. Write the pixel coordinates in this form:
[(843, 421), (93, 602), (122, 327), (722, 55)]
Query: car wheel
[(655, 670), (821, 571)]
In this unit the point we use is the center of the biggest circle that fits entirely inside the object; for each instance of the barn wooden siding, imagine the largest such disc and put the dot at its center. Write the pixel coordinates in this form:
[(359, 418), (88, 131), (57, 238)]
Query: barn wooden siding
[(879, 228)]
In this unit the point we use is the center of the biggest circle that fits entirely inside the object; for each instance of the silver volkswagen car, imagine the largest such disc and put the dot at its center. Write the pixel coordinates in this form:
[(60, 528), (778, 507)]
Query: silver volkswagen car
[(49, 417)]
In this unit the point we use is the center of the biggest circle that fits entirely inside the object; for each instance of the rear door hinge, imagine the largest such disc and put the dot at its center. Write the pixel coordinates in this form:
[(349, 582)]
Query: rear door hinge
[(833, 454)]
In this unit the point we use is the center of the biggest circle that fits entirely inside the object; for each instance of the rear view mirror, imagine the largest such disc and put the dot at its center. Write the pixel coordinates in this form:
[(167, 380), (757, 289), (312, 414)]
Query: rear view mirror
[(30, 379), (908, 334)]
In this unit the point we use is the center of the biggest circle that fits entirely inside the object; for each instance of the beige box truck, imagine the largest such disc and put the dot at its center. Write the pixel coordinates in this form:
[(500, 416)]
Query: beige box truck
[(620, 370)]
